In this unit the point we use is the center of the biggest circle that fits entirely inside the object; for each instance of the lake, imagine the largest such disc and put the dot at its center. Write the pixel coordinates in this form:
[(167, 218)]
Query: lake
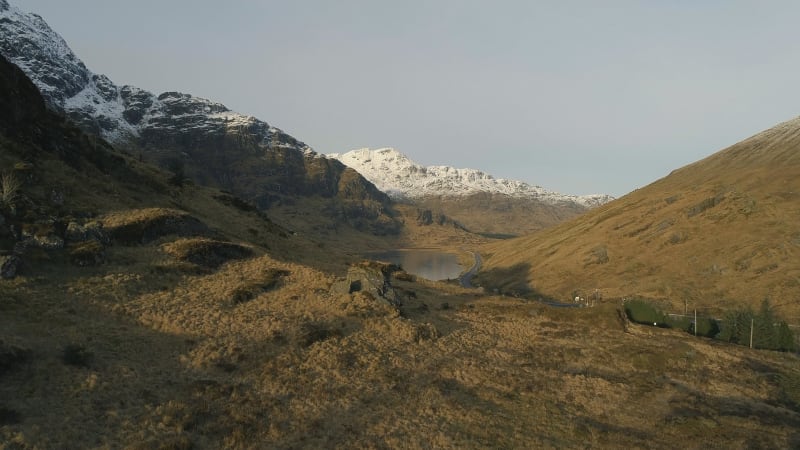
[(431, 264)]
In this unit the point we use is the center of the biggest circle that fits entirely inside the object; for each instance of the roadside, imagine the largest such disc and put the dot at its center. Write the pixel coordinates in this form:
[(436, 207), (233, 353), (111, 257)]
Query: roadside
[(465, 279)]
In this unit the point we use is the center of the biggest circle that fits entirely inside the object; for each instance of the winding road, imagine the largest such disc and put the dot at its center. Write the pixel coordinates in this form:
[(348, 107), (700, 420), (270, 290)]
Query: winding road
[(465, 279)]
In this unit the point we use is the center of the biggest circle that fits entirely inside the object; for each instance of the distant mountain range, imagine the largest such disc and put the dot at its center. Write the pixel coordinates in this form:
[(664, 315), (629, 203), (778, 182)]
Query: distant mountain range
[(401, 178)]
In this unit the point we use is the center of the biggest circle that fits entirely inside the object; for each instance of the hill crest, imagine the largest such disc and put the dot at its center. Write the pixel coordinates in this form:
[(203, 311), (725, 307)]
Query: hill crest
[(714, 234)]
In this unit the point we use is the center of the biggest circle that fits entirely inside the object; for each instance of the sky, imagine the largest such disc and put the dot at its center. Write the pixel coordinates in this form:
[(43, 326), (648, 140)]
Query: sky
[(576, 96)]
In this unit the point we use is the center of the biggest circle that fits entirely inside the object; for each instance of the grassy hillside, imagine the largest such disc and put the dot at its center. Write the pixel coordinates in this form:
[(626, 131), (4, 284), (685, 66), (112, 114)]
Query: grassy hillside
[(147, 357), (150, 316), (716, 233), (498, 214)]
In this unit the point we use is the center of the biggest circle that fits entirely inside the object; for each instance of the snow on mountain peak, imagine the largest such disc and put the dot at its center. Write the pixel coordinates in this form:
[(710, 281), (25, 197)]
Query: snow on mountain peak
[(35, 48), (400, 177), (94, 102)]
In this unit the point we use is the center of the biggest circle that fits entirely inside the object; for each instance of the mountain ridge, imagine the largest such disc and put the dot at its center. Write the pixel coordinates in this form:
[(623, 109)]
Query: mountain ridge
[(199, 139), (117, 113), (401, 178)]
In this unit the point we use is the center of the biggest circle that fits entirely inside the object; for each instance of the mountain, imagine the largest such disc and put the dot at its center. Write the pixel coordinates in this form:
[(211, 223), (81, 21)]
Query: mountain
[(150, 316), (716, 233), (473, 198), (401, 178), (195, 137)]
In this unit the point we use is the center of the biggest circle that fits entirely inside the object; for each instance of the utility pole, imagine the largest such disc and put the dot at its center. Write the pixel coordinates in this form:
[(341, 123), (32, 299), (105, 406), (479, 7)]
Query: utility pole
[(751, 333), (695, 322)]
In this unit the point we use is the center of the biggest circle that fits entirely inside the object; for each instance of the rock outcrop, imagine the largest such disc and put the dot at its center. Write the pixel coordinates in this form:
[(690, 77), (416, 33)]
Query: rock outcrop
[(370, 277)]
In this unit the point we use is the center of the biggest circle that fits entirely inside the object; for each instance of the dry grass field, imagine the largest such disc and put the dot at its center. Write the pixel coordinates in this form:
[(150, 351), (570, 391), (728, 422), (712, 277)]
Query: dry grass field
[(147, 352)]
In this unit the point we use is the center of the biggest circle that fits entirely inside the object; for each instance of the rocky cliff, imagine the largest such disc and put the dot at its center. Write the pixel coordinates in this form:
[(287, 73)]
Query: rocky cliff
[(203, 140)]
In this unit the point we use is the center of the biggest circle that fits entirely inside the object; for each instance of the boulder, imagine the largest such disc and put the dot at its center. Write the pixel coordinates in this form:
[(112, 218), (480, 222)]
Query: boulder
[(76, 232), (370, 277), (48, 242), (46, 234)]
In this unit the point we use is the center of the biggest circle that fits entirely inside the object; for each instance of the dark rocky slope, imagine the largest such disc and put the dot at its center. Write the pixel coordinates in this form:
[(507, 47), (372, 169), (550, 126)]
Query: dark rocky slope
[(196, 138)]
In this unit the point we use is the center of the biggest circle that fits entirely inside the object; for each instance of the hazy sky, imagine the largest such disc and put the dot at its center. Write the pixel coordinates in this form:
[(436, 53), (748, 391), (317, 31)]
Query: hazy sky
[(576, 96)]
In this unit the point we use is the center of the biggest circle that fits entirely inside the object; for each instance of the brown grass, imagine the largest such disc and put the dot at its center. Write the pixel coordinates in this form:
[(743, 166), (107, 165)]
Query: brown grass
[(206, 252), (497, 214), (710, 236), (298, 367)]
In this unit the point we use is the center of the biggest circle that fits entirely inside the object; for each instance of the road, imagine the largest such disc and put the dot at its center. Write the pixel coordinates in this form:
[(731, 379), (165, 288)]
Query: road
[(466, 278)]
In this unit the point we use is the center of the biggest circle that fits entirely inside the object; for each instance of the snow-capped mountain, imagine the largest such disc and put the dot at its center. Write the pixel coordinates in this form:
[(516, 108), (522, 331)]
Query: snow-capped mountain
[(203, 140), (117, 113), (400, 177)]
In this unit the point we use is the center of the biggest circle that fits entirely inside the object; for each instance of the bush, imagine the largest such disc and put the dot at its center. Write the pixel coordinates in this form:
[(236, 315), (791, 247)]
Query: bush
[(706, 327), (640, 311), (9, 187)]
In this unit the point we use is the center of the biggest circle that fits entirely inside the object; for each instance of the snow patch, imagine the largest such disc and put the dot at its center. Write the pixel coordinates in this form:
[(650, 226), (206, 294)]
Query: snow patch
[(400, 177), (100, 106)]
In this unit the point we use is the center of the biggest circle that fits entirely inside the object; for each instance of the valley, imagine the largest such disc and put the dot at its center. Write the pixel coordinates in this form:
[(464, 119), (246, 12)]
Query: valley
[(248, 295)]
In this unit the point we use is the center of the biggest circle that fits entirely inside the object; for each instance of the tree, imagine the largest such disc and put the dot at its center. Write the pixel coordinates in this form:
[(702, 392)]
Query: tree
[(764, 329), (769, 332), (736, 326), (786, 339)]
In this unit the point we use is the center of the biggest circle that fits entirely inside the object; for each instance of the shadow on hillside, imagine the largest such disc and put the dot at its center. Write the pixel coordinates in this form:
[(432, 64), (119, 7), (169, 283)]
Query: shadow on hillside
[(691, 411), (787, 383), (125, 370), (511, 281), (764, 417)]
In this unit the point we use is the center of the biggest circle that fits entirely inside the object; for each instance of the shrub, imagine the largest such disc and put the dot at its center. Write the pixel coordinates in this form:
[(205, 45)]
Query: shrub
[(640, 311), (10, 185), (706, 327)]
